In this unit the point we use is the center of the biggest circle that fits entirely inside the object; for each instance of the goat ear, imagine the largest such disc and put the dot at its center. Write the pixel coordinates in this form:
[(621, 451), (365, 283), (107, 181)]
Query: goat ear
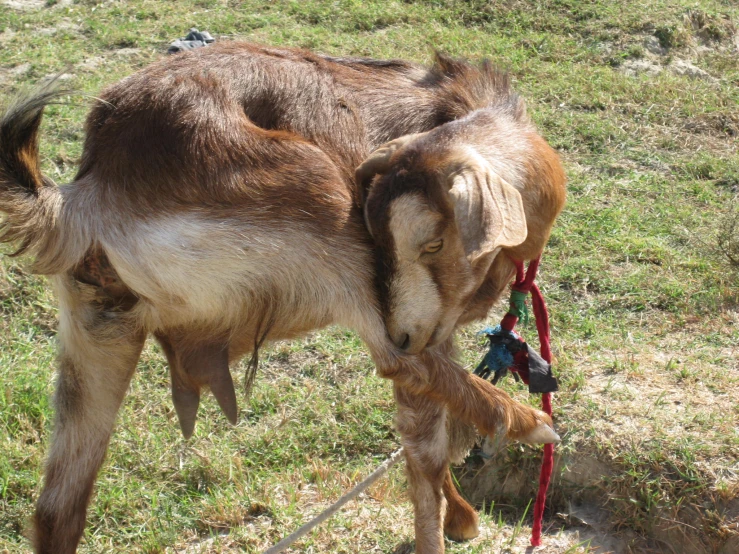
[(378, 163), (489, 210)]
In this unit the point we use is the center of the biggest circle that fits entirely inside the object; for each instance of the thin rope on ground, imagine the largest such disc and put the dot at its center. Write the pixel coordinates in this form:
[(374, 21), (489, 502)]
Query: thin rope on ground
[(336, 506)]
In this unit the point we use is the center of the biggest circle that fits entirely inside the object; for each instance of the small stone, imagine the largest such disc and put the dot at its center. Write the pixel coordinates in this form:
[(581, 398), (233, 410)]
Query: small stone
[(682, 67), (20, 70), (652, 44), (637, 67)]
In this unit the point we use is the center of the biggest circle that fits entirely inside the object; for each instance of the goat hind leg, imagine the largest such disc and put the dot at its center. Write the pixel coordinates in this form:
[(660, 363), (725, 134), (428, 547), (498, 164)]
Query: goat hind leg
[(469, 398), (98, 354), (461, 522)]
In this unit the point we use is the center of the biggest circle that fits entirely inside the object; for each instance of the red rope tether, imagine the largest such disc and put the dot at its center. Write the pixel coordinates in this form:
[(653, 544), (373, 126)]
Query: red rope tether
[(547, 462), (525, 283)]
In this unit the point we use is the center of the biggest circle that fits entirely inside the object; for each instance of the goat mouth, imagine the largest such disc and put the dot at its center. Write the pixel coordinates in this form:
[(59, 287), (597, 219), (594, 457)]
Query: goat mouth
[(434, 338)]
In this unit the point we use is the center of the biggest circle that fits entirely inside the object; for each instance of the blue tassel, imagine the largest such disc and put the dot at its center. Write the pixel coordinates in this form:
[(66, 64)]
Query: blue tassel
[(499, 357)]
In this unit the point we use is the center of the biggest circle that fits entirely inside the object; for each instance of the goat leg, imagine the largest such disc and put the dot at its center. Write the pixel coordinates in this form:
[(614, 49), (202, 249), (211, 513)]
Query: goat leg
[(185, 396), (214, 360), (434, 373), (421, 423), (490, 409), (426, 431), (98, 351), (461, 521)]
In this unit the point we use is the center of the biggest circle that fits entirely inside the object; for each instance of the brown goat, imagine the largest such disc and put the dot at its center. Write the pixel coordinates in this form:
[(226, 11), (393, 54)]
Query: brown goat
[(441, 206), (216, 208)]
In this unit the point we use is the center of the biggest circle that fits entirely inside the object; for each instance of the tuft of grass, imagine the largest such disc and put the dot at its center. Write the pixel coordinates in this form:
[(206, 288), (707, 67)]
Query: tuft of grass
[(728, 235)]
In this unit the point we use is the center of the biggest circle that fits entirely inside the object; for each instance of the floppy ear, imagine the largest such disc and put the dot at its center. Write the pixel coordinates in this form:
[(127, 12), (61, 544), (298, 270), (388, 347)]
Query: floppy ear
[(489, 211), (377, 163)]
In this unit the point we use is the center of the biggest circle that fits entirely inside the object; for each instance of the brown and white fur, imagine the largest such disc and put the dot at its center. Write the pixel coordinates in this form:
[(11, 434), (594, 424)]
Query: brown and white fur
[(441, 206), (215, 207)]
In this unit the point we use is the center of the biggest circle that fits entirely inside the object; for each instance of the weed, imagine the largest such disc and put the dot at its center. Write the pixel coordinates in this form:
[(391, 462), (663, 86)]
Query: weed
[(728, 235)]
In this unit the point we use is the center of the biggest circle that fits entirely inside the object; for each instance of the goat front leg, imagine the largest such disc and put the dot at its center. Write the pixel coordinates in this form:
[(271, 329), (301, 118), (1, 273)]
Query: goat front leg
[(98, 352), (421, 423)]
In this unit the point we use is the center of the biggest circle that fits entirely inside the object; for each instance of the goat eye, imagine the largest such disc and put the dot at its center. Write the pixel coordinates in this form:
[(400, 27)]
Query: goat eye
[(433, 246)]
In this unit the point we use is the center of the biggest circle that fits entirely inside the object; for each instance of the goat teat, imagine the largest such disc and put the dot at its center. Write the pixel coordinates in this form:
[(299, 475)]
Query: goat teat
[(193, 366)]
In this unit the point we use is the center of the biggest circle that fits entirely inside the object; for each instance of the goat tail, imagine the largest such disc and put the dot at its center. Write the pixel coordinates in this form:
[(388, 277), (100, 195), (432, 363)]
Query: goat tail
[(31, 202)]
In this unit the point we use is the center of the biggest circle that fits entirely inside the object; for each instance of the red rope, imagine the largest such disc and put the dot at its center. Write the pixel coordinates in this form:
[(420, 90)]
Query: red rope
[(525, 283), (547, 462)]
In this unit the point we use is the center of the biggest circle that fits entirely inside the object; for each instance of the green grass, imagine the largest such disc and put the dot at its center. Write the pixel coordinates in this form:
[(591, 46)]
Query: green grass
[(643, 302)]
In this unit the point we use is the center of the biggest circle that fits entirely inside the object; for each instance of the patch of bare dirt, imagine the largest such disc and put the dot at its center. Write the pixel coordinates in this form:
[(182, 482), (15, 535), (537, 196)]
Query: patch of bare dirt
[(652, 67), (712, 30), (30, 5), (6, 36), (64, 25), (11, 74), (93, 63), (25, 5), (126, 52), (684, 67), (678, 50)]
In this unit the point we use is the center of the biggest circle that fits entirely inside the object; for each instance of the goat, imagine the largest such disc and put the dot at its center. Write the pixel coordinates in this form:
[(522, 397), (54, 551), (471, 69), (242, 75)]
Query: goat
[(216, 207), (449, 210)]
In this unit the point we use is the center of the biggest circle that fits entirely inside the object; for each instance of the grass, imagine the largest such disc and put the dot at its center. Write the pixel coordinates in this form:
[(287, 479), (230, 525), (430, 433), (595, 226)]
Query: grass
[(642, 296)]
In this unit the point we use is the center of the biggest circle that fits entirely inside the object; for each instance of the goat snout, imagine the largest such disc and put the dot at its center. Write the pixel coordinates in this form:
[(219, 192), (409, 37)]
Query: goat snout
[(404, 341), (401, 338), (410, 341)]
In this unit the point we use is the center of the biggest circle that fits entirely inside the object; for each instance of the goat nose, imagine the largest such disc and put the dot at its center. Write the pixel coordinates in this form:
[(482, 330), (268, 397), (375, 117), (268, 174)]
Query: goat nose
[(406, 341)]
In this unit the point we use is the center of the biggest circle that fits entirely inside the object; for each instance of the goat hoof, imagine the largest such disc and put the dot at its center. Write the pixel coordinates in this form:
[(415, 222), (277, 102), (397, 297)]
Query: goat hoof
[(461, 525), (541, 434)]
